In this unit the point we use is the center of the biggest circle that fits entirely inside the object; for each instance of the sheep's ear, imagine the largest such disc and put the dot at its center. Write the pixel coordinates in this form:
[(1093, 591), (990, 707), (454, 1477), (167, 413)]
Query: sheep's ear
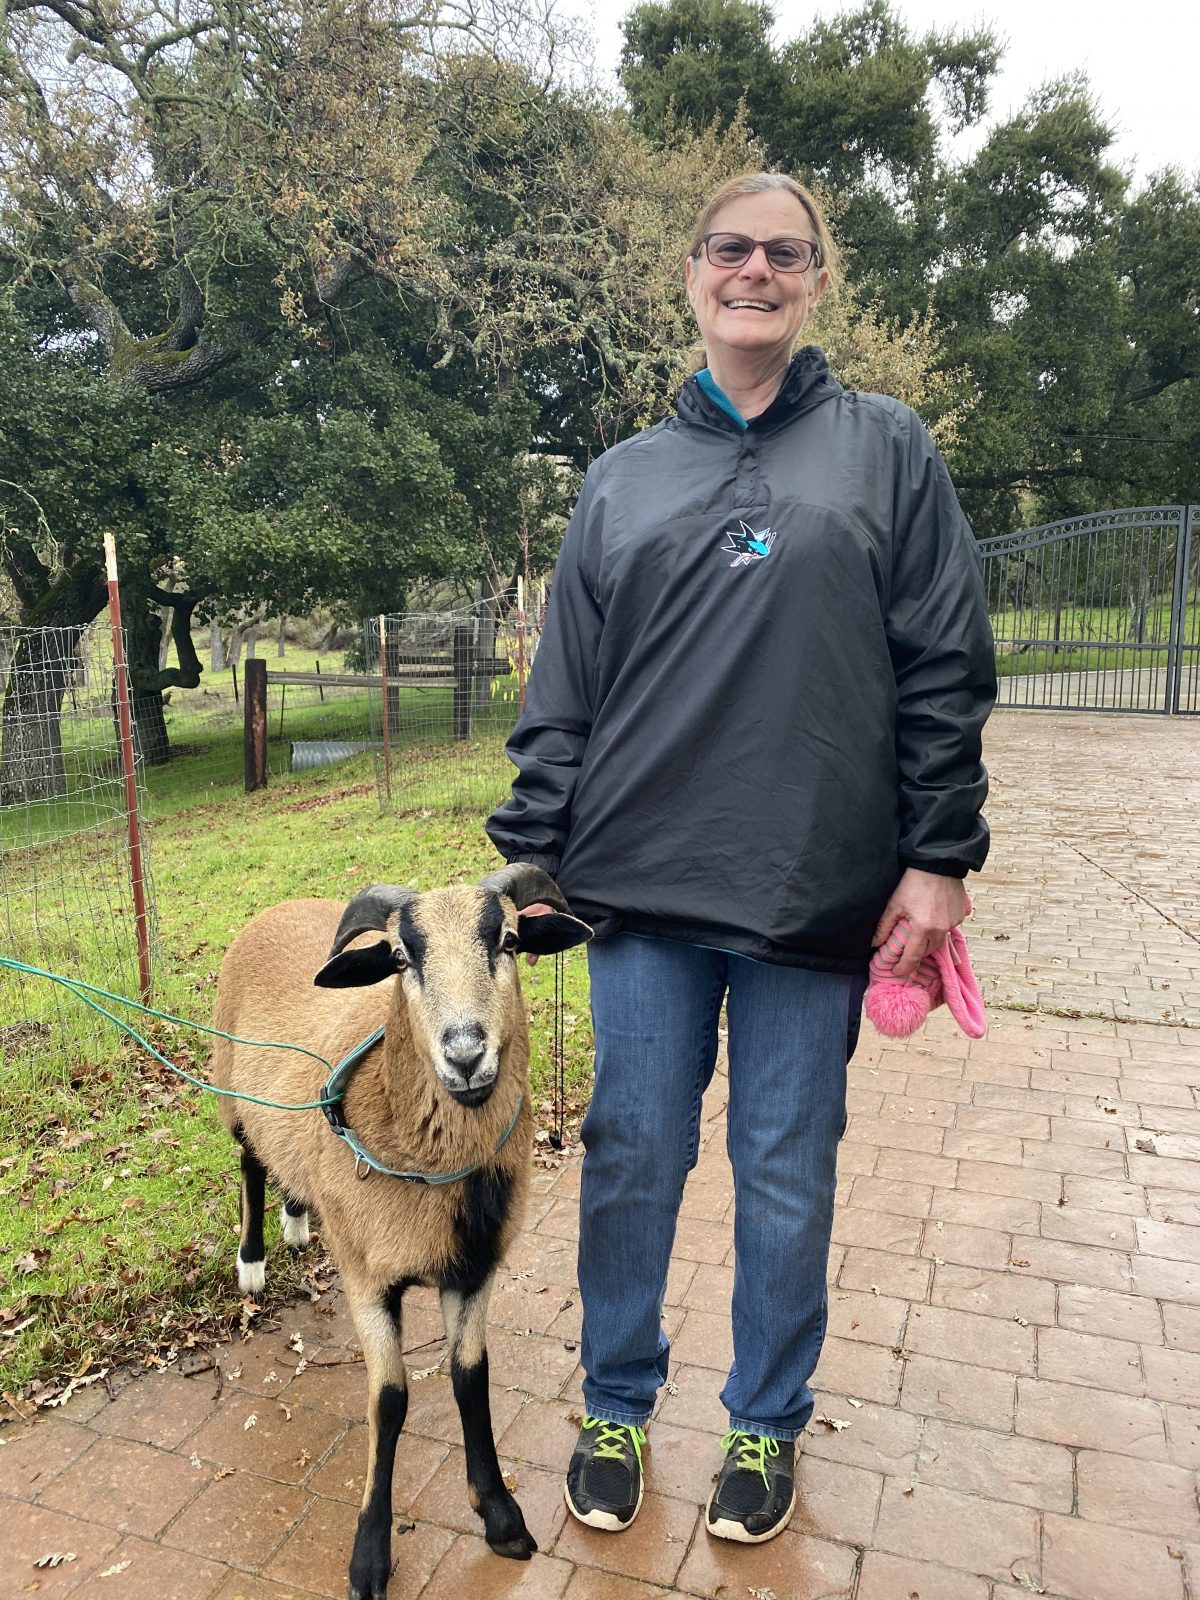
[(355, 969), (523, 884), (544, 932)]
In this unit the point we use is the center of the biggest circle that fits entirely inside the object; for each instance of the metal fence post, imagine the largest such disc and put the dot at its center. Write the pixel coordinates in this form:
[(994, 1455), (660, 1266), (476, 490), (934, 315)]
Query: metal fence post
[(463, 644), (254, 723)]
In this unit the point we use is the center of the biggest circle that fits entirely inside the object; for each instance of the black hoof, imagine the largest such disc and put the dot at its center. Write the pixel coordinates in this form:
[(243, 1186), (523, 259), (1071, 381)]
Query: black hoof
[(372, 1587), (519, 1548)]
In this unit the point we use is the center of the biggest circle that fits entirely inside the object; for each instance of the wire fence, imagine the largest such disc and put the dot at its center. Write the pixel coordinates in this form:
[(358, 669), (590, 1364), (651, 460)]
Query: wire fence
[(65, 875), (435, 708), (446, 690)]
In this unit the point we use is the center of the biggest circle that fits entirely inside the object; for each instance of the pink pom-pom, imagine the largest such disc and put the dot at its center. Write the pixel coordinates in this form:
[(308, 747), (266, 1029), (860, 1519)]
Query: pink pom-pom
[(895, 1007)]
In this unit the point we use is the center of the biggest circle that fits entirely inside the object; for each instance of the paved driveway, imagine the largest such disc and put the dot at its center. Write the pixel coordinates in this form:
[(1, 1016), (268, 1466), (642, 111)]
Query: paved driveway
[(1009, 1398)]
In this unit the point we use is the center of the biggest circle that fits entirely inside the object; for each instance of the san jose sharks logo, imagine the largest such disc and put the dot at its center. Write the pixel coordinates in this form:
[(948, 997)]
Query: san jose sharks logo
[(747, 545)]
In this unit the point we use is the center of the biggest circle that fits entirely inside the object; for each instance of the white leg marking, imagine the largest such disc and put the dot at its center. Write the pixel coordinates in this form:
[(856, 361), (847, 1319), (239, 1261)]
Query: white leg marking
[(252, 1275), (295, 1229), (472, 1330)]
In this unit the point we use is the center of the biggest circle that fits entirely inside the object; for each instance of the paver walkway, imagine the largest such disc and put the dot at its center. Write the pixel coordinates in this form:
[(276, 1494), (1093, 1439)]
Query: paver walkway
[(1009, 1398)]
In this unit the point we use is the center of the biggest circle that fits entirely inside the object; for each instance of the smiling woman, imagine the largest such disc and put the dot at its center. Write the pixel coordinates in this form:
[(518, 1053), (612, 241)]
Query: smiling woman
[(750, 744), (760, 259)]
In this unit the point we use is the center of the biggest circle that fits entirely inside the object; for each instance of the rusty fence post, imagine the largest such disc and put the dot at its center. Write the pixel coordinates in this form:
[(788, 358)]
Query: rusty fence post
[(254, 722), (137, 869)]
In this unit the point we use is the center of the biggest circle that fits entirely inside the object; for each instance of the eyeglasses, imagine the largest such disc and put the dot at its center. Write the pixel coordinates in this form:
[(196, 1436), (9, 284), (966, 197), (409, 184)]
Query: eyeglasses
[(785, 255)]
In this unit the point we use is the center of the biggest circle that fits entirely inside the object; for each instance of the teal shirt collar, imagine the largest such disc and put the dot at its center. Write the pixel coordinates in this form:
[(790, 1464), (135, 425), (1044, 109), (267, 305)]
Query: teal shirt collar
[(719, 398)]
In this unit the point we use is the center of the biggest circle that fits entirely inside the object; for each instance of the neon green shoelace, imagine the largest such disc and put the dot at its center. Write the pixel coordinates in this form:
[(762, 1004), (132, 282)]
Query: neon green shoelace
[(752, 1451), (615, 1439)]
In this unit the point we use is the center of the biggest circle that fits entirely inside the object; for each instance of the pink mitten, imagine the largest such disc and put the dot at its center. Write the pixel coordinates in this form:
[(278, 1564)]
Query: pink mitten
[(899, 1006)]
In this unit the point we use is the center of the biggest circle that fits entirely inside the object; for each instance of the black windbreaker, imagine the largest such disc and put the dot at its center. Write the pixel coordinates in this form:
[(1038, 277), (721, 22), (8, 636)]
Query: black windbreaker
[(762, 682)]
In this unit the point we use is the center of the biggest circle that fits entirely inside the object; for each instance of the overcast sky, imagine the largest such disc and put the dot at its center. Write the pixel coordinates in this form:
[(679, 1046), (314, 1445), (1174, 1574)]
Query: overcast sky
[(1140, 55)]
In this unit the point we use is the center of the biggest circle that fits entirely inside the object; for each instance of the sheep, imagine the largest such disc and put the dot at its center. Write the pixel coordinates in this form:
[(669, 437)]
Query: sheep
[(435, 1095)]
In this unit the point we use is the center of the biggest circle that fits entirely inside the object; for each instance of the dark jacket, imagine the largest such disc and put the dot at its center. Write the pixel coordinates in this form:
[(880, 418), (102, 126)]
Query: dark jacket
[(762, 682)]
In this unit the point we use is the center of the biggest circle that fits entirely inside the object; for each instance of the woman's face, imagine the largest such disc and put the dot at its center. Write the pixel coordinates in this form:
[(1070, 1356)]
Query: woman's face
[(753, 309)]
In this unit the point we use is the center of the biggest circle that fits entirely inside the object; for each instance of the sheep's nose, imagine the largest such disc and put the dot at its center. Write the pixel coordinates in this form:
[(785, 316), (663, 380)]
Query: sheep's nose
[(464, 1049)]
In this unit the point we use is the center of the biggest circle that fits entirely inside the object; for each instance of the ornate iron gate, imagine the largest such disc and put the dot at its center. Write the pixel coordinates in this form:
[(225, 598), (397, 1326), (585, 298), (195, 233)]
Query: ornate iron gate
[(1099, 613)]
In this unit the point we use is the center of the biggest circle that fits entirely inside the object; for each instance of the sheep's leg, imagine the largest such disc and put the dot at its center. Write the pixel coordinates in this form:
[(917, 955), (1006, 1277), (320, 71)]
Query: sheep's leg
[(465, 1317), (293, 1219), (252, 1251), (377, 1323)]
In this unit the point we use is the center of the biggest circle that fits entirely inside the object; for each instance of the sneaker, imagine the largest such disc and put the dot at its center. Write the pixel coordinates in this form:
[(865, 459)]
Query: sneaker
[(755, 1493), (604, 1479)]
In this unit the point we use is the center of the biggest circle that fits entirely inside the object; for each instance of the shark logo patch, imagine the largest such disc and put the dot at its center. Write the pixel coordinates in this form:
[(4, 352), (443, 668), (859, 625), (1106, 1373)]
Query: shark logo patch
[(747, 545)]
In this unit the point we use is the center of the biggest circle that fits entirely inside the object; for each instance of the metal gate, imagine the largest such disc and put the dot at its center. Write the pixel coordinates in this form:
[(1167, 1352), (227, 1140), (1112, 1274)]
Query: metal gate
[(1099, 613)]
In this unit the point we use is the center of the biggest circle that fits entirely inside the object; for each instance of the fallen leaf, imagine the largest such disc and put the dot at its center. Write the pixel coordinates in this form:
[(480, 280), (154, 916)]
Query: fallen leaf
[(834, 1423), (55, 1558), (510, 1480), (1147, 1146), (223, 1472), (760, 1594), (250, 1422), (1018, 1261), (1027, 1582), (857, 1404), (111, 1572)]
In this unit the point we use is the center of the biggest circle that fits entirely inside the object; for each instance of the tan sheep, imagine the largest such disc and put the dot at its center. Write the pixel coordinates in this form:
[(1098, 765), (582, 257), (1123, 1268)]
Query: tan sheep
[(445, 1091)]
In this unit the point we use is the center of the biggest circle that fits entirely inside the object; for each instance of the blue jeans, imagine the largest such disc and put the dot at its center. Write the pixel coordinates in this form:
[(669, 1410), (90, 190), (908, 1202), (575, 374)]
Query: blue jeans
[(655, 1006)]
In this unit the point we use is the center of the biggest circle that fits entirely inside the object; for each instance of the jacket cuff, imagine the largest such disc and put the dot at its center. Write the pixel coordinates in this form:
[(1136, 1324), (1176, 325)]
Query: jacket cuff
[(941, 869), (548, 861)]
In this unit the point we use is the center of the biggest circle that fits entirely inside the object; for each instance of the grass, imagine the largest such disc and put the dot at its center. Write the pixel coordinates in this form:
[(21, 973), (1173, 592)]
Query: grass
[(118, 1200)]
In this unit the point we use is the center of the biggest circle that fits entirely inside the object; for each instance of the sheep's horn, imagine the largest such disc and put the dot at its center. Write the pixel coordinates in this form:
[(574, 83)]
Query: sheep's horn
[(369, 911), (526, 885)]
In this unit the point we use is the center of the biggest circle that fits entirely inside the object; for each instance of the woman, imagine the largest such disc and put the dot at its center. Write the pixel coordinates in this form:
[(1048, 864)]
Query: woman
[(751, 743)]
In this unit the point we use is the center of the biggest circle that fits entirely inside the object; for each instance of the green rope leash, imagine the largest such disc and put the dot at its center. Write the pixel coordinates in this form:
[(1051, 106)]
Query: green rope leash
[(84, 992)]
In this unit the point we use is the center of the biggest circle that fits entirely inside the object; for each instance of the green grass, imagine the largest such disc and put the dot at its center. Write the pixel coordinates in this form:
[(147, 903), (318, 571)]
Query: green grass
[(118, 1199)]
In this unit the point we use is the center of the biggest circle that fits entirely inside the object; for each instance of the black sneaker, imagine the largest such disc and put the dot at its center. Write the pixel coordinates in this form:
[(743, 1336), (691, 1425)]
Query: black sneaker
[(755, 1493), (604, 1480)]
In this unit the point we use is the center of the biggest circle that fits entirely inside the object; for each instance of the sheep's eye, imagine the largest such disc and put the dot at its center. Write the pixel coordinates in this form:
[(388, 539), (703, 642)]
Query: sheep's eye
[(400, 958), (509, 941)]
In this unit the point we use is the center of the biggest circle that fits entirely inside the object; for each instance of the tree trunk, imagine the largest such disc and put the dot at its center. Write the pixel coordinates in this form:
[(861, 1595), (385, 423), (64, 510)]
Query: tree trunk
[(164, 624), (140, 609), (37, 680), (143, 644), (233, 654), (216, 647), (488, 613), (281, 651), (32, 720)]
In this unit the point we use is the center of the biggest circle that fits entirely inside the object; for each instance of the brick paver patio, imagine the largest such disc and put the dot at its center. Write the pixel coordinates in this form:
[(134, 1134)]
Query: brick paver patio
[(1009, 1398)]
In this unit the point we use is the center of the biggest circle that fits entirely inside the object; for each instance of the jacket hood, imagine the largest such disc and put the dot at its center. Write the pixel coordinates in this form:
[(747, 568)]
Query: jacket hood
[(808, 383)]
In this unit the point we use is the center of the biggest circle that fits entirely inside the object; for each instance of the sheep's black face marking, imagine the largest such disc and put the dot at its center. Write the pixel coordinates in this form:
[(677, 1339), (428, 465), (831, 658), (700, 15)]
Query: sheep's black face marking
[(491, 929), (462, 991), (413, 941)]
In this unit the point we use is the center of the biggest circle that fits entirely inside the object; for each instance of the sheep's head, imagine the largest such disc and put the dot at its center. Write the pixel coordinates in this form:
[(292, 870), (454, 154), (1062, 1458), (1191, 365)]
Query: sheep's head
[(455, 951)]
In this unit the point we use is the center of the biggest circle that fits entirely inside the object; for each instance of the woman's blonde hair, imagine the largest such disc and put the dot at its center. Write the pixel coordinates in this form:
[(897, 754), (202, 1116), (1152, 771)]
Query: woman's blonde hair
[(765, 183)]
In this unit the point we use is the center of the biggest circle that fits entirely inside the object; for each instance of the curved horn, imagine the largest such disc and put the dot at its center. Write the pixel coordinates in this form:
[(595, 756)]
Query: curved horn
[(369, 911), (526, 885)]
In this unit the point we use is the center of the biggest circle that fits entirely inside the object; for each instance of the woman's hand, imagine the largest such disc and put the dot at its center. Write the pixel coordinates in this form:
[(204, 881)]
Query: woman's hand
[(933, 905)]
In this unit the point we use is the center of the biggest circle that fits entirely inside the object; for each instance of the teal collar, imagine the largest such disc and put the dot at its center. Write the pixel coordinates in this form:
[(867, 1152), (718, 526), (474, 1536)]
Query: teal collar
[(719, 398), (334, 1093)]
